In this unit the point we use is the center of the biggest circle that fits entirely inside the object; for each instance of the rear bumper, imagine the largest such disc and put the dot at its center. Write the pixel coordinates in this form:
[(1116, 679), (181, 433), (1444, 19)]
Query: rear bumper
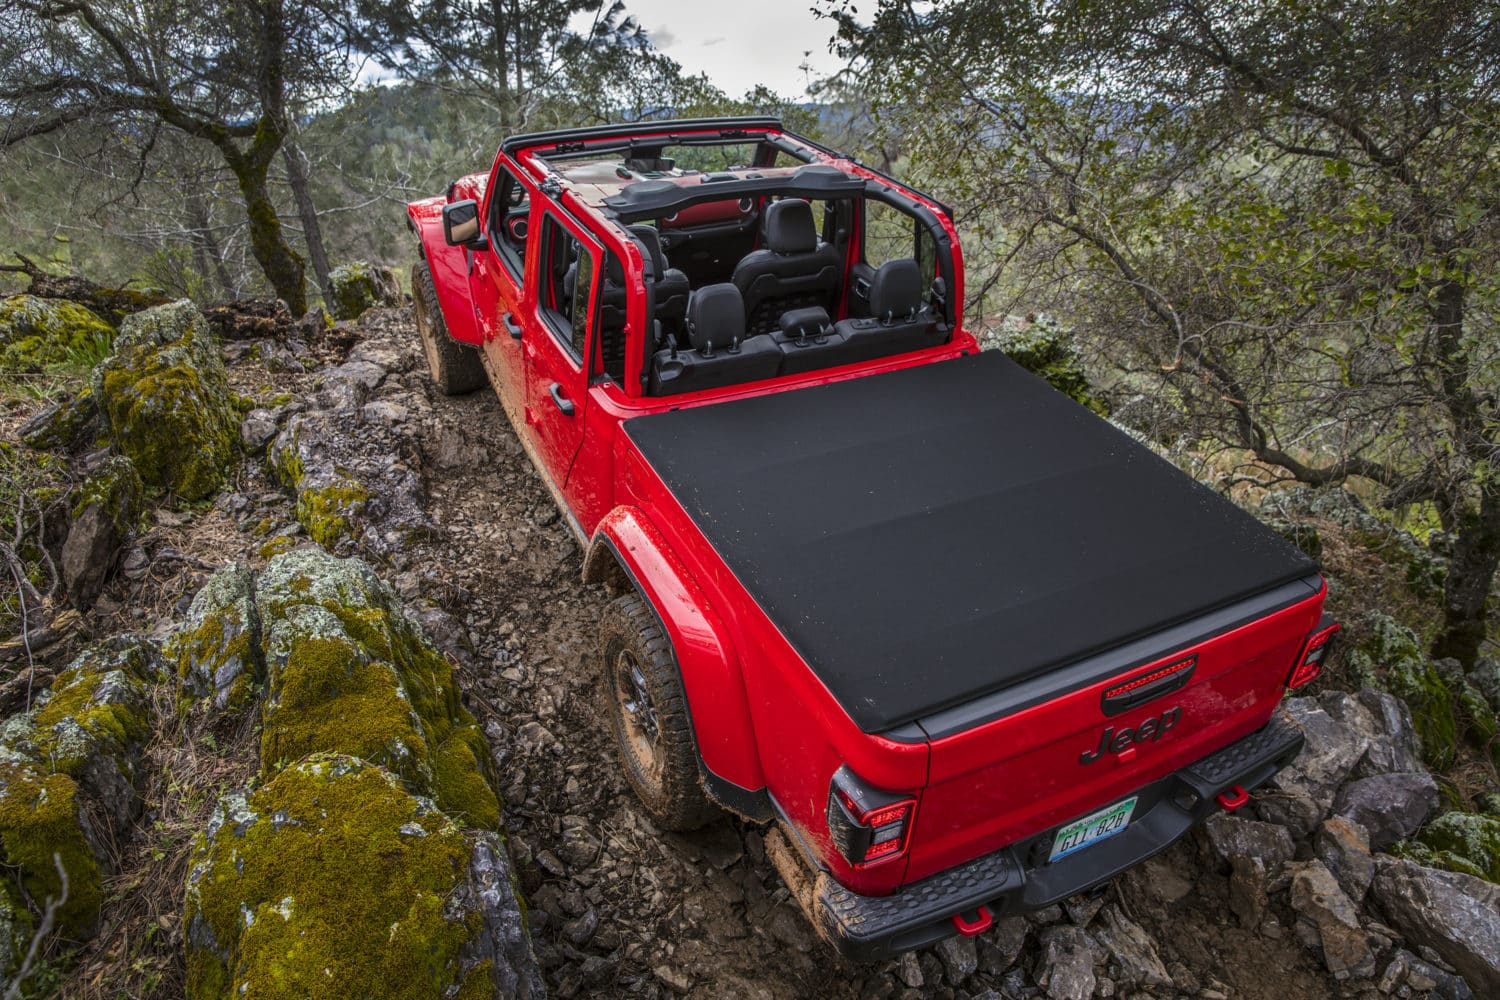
[(1017, 878)]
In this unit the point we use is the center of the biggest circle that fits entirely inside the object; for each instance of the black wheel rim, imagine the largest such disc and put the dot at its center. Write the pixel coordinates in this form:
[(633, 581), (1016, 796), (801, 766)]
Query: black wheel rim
[(641, 727)]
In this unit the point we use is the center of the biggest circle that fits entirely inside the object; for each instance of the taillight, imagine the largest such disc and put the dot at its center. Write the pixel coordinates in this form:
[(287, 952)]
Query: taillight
[(869, 826), (1315, 653)]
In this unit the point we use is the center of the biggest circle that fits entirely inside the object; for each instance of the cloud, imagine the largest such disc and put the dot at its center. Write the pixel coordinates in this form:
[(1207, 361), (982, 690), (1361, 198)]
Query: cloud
[(661, 37), (716, 40)]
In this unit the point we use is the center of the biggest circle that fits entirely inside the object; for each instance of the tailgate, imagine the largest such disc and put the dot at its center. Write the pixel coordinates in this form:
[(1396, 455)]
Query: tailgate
[(1021, 763)]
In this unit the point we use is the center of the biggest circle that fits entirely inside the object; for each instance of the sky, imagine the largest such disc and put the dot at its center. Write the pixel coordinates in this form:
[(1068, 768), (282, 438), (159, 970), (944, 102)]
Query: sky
[(743, 43)]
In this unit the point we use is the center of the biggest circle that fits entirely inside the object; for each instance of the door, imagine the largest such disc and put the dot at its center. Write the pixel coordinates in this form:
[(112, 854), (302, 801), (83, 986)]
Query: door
[(561, 288), (497, 283)]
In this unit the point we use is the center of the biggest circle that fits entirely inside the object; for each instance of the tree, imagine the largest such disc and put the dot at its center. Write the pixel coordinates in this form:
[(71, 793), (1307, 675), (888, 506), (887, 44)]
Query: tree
[(509, 54), (1285, 214), (230, 75)]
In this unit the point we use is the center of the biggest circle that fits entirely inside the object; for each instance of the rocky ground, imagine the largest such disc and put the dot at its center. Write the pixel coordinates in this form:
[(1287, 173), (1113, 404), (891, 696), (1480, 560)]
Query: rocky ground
[(348, 445)]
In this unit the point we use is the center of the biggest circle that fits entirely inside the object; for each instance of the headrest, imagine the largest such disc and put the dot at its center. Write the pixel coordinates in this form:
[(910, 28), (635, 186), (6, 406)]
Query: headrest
[(715, 314), (789, 227), (799, 324), (650, 241), (896, 291)]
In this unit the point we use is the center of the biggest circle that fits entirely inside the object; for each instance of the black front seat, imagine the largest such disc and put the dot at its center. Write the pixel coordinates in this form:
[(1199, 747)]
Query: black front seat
[(671, 293), (720, 354), (793, 271)]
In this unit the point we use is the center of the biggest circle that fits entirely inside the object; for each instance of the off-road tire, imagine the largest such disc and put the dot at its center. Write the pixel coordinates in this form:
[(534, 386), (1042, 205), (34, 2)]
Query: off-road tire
[(455, 367), (663, 772)]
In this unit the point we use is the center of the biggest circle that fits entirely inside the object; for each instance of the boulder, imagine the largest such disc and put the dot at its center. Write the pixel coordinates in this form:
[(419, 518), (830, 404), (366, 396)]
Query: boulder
[(1318, 900), (354, 488), (1486, 680), (217, 649), (1476, 720), (1389, 656), (960, 958), (1232, 837), (257, 429), (1456, 915), (1131, 949), (1464, 842), (357, 286), (1384, 721), (71, 777), (104, 517), (1344, 848), (1308, 785), (38, 333), (348, 672), (1065, 965), (332, 879), (1390, 807), (165, 397)]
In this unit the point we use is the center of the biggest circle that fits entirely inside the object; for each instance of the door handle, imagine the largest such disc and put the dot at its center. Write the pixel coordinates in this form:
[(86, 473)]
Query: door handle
[(564, 404), (511, 326)]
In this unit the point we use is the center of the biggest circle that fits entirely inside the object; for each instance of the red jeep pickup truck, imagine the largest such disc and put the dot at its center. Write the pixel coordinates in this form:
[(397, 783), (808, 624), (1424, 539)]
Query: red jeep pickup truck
[(970, 648)]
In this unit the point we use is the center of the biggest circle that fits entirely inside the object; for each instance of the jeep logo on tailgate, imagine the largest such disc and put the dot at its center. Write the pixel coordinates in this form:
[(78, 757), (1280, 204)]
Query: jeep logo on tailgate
[(1151, 729)]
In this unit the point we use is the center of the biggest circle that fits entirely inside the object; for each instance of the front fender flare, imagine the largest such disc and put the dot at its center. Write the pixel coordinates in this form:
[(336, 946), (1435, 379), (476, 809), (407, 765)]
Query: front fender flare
[(450, 269), (705, 656)]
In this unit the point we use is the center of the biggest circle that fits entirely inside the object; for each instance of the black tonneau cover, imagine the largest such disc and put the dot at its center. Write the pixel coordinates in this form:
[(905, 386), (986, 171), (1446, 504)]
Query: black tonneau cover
[(931, 535)]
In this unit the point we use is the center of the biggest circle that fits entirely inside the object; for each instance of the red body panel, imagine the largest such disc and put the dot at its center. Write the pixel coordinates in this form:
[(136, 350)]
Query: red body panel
[(762, 719)]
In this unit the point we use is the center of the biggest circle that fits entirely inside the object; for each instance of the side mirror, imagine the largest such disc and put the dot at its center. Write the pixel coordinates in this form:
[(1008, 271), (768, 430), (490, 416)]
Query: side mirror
[(461, 222)]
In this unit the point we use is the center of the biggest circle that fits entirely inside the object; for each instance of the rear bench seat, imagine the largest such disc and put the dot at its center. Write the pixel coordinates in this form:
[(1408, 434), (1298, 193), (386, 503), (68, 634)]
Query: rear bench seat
[(719, 353), (901, 322)]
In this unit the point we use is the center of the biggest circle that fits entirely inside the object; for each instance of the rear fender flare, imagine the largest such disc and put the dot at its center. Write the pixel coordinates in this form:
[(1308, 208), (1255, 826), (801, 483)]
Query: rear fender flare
[(628, 550), (450, 269)]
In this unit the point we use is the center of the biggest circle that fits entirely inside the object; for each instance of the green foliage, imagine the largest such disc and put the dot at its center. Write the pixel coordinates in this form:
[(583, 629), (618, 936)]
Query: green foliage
[(1045, 349)]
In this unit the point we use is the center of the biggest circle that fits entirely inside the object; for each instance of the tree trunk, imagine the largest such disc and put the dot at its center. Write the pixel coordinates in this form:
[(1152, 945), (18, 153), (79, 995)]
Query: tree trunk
[(280, 264), (208, 245), (1471, 571), (297, 176)]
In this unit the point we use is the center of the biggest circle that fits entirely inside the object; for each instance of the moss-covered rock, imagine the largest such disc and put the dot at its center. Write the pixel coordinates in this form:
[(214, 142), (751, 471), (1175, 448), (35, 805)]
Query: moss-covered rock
[(69, 426), (37, 334), (216, 651), (330, 513), (1486, 680), (42, 826), (165, 397), (1476, 720), (16, 927), (70, 779), (1389, 657), (1045, 349), (349, 672), (358, 286), (1461, 842), (333, 880)]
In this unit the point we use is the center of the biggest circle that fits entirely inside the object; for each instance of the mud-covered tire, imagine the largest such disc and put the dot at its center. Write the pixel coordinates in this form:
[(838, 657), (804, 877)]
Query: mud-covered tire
[(654, 737), (455, 367)]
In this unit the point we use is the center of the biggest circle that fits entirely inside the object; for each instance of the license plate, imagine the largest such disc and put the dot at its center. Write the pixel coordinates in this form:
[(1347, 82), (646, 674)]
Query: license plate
[(1092, 828)]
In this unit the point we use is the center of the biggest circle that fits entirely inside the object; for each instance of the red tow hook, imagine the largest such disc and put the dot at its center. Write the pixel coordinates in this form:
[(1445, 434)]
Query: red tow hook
[(1234, 798), (983, 918)]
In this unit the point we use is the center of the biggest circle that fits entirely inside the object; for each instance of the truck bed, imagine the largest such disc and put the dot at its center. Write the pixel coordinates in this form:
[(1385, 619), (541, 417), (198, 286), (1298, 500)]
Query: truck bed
[(929, 536)]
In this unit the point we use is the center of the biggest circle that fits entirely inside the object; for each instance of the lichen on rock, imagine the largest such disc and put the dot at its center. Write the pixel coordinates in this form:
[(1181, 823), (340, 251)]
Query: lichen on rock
[(349, 672), (38, 333), (166, 401), (358, 286), (42, 826), (333, 880), (1460, 842), (217, 649), (1388, 656)]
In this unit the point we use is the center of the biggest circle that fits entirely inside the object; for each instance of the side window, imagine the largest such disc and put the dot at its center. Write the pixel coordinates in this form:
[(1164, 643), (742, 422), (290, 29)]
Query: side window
[(510, 217), (889, 234), (565, 286)]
